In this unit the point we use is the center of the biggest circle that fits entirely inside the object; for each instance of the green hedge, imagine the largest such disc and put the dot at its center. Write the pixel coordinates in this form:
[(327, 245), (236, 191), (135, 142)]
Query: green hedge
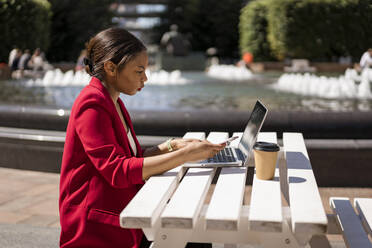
[(253, 31), (316, 29), (24, 24)]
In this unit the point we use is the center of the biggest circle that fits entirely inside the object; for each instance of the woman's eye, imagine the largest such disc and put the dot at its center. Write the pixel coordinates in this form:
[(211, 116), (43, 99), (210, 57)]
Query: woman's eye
[(139, 72)]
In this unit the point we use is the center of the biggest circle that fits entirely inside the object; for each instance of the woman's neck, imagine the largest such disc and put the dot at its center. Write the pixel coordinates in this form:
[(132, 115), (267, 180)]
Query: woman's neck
[(112, 91)]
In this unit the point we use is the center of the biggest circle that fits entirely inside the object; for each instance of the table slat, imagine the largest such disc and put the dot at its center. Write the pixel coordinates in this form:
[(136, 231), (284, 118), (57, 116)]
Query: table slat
[(266, 204), (227, 199), (146, 206), (217, 137), (353, 232), (364, 207), (184, 207), (224, 209), (307, 212), (194, 135), (267, 137)]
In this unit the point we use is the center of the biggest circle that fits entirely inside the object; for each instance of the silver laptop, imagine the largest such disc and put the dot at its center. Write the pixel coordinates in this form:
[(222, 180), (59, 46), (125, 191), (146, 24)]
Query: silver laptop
[(238, 156)]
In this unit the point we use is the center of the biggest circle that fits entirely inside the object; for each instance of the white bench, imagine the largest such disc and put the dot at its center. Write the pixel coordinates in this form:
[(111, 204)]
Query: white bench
[(354, 228), (172, 212)]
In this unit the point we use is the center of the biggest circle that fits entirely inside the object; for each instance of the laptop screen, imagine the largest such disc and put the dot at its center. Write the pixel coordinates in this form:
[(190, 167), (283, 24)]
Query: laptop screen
[(253, 127)]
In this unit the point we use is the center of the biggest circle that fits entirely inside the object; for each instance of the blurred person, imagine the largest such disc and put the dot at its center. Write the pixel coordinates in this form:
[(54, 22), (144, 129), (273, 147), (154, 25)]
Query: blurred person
[(37, 61), (23, 61), (246, 61), (12, 55), (174, 42), (103, 165), (366, 60), (15, 60)]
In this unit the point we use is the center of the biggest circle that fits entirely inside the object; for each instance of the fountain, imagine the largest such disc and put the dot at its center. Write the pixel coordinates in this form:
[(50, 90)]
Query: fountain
[(58, 78), (34, 113), (351, 85), (215, 73)]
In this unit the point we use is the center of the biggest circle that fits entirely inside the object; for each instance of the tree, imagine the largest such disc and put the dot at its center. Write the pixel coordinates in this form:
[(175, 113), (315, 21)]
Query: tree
[(73, 24), (24, 24), (208, 23)]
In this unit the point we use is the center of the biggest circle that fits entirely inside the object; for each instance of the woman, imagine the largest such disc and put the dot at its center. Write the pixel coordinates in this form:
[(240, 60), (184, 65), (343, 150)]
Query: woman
[(103, 166)]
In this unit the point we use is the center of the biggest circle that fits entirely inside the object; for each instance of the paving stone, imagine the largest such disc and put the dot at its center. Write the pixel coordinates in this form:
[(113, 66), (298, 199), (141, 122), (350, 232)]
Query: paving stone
[(12, 217), (45, 207), (5, 197), (22, 202), (42, 189), (14, 187), (40, 220), (55, 224), (26, 236)]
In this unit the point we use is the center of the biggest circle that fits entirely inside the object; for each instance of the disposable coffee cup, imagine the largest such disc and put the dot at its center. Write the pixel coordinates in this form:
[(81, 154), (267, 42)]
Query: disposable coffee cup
[(265, 156)]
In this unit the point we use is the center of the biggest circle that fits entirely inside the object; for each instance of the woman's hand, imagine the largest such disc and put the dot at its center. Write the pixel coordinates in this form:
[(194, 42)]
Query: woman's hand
[(181, 143), (186, 150), (201, 149)]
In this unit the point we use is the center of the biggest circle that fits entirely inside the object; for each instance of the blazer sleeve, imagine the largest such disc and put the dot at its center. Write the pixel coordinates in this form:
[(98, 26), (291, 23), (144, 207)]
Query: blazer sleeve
[(95, 129)]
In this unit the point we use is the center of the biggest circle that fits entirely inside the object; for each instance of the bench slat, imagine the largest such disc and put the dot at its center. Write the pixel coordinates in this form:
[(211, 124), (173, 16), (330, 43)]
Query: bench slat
[(353, 232), (224, 209), (364, 207), (307, 212), (266, 204), (146, 206), (184, 207)]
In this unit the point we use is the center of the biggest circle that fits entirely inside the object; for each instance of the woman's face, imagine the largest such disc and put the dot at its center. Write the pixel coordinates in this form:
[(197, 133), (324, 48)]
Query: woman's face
[(132, 77)]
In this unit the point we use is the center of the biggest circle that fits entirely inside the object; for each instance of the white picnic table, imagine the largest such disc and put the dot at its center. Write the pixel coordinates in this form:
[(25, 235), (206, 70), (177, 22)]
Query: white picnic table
[(171, 208)]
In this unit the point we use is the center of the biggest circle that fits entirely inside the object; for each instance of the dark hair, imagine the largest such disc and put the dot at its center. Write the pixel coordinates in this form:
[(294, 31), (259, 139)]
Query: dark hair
[(113, 44)]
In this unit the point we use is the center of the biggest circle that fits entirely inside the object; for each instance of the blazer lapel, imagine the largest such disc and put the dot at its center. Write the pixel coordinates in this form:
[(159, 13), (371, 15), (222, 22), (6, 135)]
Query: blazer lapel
[(118, 125)]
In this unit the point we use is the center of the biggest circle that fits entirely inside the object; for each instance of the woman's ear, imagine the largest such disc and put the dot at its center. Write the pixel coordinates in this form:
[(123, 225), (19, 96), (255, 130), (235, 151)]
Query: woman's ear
[(110, 68)]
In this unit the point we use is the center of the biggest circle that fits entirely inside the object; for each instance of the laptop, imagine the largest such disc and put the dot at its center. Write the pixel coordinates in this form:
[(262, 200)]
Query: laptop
[(230, 156)]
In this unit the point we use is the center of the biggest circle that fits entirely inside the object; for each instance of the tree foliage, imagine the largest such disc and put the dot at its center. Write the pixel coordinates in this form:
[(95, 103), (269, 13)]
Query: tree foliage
[(24, 24), (208, 23), (253, 31), (73, 24), (312, 29)]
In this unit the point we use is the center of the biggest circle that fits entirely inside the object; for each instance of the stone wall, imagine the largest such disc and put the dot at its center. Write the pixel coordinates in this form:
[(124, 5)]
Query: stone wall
[(336, 163)]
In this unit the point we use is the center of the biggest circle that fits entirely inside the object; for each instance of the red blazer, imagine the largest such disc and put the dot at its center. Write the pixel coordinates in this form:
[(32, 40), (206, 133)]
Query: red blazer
[(99, 174)]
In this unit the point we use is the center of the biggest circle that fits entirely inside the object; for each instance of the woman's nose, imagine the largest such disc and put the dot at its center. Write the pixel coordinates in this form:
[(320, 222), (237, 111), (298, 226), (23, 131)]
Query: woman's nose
[(145, 78)]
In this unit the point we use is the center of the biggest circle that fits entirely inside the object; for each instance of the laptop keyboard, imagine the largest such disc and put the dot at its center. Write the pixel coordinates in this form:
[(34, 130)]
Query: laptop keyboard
[(225, 155)]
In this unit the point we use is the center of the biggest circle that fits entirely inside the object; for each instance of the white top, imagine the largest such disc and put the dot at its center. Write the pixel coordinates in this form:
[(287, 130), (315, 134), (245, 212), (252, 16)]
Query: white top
[(366, 60), (132, 143)]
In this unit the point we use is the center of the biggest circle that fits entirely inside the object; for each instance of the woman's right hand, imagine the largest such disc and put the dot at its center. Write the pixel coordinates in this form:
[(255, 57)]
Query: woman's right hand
[(201, 149)]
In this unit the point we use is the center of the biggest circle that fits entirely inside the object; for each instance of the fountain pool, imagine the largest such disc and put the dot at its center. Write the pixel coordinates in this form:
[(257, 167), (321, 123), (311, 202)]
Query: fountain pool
[(222, 88)]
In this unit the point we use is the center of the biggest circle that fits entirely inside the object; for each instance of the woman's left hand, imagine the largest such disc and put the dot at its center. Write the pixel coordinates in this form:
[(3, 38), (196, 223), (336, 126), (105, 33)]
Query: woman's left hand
[(180, 143)]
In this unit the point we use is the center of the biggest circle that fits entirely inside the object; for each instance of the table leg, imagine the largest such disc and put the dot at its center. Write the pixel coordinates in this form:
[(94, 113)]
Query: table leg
[(175, 238)]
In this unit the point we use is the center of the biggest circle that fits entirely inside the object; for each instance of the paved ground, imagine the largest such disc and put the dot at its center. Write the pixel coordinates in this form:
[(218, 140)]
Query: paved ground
[(29, 208)]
